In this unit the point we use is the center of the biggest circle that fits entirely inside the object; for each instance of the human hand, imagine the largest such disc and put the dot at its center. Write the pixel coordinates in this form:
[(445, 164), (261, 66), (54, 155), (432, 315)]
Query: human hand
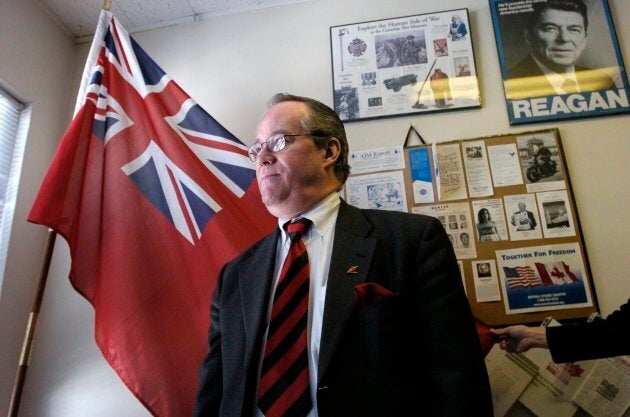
[(519, 338)]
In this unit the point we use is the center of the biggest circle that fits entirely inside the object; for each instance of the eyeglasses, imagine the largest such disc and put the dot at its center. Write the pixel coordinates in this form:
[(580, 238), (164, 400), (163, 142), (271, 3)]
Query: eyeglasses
[(275, 143)]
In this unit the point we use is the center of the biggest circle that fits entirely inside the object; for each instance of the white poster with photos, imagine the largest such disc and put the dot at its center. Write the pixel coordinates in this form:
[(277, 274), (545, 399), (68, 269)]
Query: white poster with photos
[(457, 222), (556, 214), (523, 219), (404, 65), (384, 191)]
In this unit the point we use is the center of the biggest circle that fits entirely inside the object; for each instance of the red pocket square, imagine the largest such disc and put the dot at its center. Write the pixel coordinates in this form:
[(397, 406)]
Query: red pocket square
[(371, 293), (486, 338)]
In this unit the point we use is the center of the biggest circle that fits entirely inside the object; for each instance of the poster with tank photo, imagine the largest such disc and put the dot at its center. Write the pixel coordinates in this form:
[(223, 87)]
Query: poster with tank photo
[(560, 59), (523, 219), (404, 65), (555, 211), (540, 162)]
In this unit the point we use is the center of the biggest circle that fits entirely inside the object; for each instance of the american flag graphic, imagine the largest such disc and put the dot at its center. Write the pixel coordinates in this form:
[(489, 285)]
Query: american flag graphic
[(153, 196), (521, 277)]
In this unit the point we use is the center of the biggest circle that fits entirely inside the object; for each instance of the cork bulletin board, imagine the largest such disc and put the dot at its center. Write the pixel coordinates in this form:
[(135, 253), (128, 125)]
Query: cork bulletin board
[(507, 205)]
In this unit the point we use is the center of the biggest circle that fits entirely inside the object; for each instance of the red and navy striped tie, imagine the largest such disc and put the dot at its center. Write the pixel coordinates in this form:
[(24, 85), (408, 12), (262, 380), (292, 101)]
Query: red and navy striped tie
[(284, 381)]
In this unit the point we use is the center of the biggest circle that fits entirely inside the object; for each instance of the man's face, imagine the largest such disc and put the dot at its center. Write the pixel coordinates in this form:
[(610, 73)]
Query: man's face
[(521, 206), (558, 39), (290, 180), (465, 239)]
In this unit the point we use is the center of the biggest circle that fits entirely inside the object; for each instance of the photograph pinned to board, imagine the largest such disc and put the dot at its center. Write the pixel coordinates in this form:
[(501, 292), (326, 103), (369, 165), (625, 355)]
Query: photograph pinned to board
[(490, 216), (540, 162), (542, 278), (404, 65), (555, 211), (549, 77), (523, 219)]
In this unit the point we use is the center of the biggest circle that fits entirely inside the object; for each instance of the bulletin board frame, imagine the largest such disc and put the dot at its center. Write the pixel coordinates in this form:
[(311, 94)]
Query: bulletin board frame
[(508, 206)]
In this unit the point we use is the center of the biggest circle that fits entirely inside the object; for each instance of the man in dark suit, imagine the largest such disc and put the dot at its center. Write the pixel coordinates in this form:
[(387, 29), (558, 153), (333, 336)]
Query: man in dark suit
[(389, 328), (556, 34)]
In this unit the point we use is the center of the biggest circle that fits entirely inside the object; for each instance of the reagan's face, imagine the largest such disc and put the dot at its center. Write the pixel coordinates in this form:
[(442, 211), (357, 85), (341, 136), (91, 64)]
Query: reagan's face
[(558, 39)]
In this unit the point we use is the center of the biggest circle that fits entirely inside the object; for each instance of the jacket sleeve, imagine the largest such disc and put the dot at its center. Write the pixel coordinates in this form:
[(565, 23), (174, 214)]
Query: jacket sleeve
[(601, 338), (456, 369)]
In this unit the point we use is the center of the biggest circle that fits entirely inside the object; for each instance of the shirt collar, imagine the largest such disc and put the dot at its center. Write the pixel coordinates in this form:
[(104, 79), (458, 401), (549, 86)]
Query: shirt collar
[(322, 216)]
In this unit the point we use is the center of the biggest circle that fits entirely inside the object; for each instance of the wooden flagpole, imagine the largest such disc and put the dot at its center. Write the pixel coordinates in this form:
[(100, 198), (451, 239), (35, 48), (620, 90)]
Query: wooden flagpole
[(27, 345)]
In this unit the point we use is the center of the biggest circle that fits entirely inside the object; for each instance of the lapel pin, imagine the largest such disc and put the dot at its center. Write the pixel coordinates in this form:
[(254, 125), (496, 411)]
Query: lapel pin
[(353, 270)]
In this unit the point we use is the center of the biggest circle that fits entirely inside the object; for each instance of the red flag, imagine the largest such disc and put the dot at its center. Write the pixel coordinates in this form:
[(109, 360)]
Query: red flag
[(555, 273), (153, 197)]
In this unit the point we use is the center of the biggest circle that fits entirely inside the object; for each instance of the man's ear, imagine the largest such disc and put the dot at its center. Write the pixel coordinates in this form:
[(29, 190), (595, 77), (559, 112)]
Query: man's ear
[(332, 151)]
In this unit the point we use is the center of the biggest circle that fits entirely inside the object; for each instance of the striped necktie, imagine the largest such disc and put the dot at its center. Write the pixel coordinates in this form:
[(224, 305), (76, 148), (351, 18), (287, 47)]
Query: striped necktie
[(284, 381)]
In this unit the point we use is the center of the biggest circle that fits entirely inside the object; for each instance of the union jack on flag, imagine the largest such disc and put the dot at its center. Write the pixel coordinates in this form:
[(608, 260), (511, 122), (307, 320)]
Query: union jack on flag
[(153, 196)]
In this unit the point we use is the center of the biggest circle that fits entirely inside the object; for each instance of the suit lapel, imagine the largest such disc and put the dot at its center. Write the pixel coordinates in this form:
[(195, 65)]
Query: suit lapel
[(255, 288), (351, 257)]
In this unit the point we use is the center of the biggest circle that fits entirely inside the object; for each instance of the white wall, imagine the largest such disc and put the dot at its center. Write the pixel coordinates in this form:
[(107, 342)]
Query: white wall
[(36, 59), (231, 66)]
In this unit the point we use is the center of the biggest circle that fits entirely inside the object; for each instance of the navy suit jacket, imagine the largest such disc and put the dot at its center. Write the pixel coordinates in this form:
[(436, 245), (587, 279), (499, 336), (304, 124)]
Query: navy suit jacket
[(417, 350)]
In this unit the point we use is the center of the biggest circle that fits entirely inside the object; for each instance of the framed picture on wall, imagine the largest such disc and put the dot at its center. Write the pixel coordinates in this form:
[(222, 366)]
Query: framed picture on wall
[(405, 65), (559, 59)]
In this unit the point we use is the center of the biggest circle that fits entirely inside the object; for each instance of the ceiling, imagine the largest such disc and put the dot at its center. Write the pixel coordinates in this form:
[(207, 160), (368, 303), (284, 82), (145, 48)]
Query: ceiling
[(79, 17)]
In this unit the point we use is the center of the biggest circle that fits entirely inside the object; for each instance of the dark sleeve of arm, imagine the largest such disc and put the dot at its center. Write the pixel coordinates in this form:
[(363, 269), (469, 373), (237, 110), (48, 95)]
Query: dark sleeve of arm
[(456, 370), (598, 339), (210, 373)]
